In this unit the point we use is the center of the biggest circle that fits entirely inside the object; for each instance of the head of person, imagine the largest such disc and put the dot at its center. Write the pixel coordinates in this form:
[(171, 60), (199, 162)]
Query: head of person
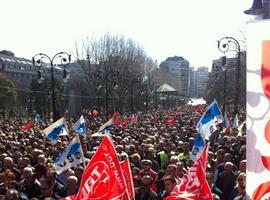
[(78, 172), (51, 174), (186, 147), (171, 170), (72, 183), (169, 183), (119, 148), (8, 163), (220, 155), (174, 159), (228, 168), (146, 182), (168, 147), (28, 175), (151, 152), (136, 158), (41, 159), (241, 181), (242, 166), (12, 194), (146, 164), (227, 157), (46, 186)]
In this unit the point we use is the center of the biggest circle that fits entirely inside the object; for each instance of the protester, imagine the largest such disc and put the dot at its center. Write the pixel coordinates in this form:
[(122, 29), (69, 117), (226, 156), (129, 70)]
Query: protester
[(158, 144)]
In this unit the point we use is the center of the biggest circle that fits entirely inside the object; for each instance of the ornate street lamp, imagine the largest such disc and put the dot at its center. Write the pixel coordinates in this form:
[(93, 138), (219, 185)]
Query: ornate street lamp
[(229, 44), (41, 60)]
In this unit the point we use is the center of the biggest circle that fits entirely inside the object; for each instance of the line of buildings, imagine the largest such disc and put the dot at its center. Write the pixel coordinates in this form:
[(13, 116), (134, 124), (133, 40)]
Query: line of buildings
[(189, 82)]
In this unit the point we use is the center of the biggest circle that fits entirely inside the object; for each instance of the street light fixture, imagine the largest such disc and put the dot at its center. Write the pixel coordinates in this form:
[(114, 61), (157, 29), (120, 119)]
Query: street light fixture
[(40, 61), (105, 75), (230, 44)]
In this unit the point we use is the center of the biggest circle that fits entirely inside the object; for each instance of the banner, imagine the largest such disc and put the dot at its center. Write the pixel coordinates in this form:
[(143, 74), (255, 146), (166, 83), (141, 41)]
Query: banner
[(80, 126), (128, 177), (103, 177), (28, 126), (207, 125), (193, 185), (258, 110), (55, 130), (72, 156)]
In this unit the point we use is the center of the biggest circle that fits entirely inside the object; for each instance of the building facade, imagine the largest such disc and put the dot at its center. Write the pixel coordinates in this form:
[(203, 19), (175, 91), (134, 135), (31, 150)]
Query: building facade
[(192, 82), (22, 72), (179, 67), (201, 77)]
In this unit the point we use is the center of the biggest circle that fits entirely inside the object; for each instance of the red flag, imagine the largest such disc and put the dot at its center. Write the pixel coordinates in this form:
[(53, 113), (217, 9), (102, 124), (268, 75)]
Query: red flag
[(128, 177), (170, 121), (133, 119), (194, 182), (103, 177), (124, 122), (116, 119), (203, 158), (199, 109), (28, 125), (109, 116)]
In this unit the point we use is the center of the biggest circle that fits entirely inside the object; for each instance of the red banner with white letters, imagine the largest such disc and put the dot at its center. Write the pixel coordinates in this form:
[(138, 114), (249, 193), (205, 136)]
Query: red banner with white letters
[(128, 177), (103, 177), (193, 185)]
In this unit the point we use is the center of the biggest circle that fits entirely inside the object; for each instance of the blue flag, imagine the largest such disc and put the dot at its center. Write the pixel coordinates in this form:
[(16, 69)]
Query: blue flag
[(205, 127), (80, 126), (55, 130), (71, 156), (209, 121), (38, 118), (107, 126)]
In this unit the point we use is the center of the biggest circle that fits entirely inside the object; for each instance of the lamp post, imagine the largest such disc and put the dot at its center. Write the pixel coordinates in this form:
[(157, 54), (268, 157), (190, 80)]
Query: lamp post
[(229, 44), (40, 60), (104, 75)]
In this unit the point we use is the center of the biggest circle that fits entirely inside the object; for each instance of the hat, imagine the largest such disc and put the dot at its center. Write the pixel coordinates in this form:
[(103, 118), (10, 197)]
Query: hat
[(145, 161)]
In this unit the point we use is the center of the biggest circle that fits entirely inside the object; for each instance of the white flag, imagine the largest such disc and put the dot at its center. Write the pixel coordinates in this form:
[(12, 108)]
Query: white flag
[(55, 130), (72, 156)]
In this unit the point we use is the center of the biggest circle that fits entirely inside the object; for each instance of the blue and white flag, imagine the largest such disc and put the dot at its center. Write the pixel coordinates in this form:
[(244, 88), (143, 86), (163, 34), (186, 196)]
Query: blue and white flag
[(107, 126), (55, 130), (205, 127), (198, 146), (104, 128), (72, 156), (80, 126), (209, 121), (38, 118)]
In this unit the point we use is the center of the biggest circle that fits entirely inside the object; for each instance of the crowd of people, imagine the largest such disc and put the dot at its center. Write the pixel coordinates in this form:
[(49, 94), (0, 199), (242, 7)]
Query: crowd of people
[(158, 144)]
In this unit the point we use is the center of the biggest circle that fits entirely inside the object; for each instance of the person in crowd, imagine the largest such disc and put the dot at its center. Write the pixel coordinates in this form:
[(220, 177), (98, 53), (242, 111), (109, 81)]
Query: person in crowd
[(169, 184), (144, 192), (146, 169), (226, 181), (30, 186), (163, 156), (47, 189), (155, 149), (240, 189), (71, 187)]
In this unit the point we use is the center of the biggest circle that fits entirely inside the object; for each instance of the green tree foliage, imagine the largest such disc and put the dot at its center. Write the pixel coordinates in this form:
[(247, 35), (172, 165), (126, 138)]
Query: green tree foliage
[(41, 95), (7, 92)]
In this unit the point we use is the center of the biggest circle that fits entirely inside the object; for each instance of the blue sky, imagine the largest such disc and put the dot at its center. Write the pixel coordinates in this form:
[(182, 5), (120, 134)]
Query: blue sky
[(188, 28)]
